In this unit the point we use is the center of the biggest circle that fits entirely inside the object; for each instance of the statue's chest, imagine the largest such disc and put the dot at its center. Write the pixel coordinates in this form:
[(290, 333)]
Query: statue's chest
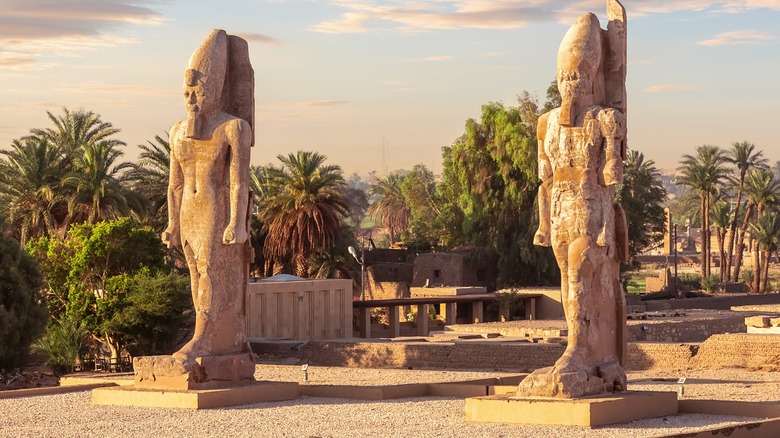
[(200, 154)]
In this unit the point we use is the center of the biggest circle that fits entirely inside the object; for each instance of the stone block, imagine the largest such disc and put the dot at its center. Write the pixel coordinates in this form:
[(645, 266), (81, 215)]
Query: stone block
[(255, 392), (209, 372), (588, 412), (757, 321)]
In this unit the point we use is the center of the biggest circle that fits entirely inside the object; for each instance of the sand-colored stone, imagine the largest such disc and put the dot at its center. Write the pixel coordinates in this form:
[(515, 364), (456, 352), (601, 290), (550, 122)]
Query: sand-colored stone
[(582, 146), (210, 372), (255, 392), (586, 412), (208, 216), (758, 321)]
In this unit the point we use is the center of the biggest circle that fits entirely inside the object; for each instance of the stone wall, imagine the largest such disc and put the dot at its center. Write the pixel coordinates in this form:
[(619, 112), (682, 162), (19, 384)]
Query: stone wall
[(684, 330), (743, 350), (722, 302), (656, 355), (388, 280)]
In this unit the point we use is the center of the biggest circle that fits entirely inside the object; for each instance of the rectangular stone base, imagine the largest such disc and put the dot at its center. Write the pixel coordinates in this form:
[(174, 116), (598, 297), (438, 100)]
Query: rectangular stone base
[(588, 412), (195, 399), (206, 372)]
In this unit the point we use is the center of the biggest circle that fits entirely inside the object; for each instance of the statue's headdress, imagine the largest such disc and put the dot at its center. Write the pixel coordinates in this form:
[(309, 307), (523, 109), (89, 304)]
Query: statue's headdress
[(221, 64)]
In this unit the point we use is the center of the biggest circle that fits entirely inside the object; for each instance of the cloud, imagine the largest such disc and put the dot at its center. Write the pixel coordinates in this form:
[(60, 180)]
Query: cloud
[(665, 88), (306, 104), (440, 58), (259, 38), (100, 87), (413, 15), (738, 37), (31, 29)]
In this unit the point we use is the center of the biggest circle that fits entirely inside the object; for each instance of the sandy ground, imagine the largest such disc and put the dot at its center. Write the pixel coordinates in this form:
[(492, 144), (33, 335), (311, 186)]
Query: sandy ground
[(73, 415)]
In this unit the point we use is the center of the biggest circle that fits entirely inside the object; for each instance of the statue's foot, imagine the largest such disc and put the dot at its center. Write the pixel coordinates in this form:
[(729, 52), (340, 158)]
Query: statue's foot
[(192, 349), (572, 376)]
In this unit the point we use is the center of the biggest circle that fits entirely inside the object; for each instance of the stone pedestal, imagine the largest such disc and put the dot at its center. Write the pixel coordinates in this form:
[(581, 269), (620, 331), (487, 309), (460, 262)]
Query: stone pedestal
[(588, 412), (208, 372), (255, 392)]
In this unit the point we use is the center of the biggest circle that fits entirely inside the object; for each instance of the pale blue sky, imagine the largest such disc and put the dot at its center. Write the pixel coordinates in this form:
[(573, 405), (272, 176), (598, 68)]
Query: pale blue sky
[(344, 77)]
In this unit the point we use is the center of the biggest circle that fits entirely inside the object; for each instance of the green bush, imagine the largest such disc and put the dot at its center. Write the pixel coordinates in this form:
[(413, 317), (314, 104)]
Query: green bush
[(747, 277), (23, 316), (62, 344), (691, 280), (710, 283)]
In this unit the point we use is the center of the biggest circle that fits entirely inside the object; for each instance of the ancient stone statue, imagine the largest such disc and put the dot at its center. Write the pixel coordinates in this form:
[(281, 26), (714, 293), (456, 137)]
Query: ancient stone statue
[(208, 215), (582, 145)]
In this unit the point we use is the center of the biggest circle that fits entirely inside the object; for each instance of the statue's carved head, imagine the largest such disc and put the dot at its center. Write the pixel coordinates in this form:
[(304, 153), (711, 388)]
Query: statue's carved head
[(579, 60), (204, 79)]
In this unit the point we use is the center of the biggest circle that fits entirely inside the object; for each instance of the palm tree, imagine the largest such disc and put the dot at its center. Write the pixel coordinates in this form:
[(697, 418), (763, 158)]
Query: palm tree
[(721, 219), (744, 157), (390, 209), (704, 172), (304, 208), (96, 185), (149, 178), (74, 129), (29, 180), (766, 231), (762, 191)]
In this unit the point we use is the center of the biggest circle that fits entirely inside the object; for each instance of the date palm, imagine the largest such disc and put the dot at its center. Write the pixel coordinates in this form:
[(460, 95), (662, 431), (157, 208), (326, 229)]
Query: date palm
[(721, 217), (304, 208), (703, 173), (391, 209), (762, 191), (766, 231), (744, 157), (149, 178), (29, 179), (74, 129), (96, 185)]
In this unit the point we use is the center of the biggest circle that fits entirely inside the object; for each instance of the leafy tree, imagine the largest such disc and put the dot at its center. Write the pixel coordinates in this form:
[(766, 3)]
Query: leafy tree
[(703, 173), (357, 204), (303, 211), (419, 191), (22, 314), (642, 196), (30, 176), (112, 277), (390, 208), (490, 179), (744, 157)]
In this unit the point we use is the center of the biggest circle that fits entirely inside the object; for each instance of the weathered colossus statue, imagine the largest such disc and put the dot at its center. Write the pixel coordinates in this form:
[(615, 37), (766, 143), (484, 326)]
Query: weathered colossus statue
[(582, 145), (208, 213)]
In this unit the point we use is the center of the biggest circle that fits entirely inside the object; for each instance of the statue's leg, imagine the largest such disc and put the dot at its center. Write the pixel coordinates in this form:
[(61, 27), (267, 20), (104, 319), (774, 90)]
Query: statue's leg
[(580, 270), (220, 325)]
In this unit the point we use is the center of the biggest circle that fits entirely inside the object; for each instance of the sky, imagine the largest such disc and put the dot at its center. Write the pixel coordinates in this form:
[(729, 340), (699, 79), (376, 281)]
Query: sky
[(381, 85)]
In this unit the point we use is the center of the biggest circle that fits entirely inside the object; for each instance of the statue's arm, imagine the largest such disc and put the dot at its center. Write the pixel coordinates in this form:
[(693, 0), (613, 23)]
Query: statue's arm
[(239, 138), (542, 236), (172, 234), (613, 130)]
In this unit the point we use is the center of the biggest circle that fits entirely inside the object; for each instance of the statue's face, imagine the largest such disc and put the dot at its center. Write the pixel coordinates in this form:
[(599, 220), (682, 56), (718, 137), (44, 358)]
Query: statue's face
[(574, 83), (195, 96)]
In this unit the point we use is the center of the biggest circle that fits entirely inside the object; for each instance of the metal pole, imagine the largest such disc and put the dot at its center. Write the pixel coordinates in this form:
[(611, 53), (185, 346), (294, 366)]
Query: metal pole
[(363, 273), (675, 260)]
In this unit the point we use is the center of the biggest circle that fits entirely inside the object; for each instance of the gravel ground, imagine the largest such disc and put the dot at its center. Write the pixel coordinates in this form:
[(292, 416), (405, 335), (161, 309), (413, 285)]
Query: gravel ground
[(73, 415)]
